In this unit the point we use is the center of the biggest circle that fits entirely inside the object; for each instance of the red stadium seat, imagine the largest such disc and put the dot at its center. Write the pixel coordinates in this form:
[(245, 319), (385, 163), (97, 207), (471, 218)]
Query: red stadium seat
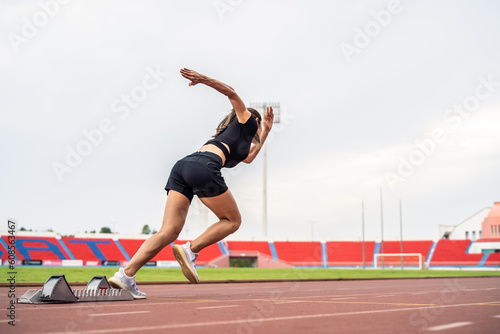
[(254, 246), (493, 260), (454, 253), (299, 253), (37, 248), (132, 245), (411, 246), (94, 249), (349, 253)]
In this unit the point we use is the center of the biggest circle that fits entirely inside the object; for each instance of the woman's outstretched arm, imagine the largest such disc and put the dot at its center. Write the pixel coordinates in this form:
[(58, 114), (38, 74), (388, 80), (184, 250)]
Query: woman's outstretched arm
[(267, 124), (241, 111)]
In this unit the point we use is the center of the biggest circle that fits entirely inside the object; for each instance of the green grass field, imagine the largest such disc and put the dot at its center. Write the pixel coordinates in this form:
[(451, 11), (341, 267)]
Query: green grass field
[(84, 274)]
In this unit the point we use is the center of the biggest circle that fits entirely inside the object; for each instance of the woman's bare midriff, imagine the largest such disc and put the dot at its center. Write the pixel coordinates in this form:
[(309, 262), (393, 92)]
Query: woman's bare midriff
[(214, 149)]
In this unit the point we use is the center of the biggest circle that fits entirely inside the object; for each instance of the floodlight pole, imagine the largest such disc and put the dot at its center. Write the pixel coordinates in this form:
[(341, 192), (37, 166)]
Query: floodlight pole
[(382, 227), (276, 109), (401, 231), (264, 191), (363, 229)]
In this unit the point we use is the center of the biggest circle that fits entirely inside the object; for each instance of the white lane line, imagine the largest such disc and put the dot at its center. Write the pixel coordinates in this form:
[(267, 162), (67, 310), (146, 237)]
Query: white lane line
[(259, 320), (361, 294), (449, 326), (118, 313), (209, 307), (384, 296), (9, 321), (298, 297), (152, 303), (290, 302), (496, 316), (343, 298), (192, 299)]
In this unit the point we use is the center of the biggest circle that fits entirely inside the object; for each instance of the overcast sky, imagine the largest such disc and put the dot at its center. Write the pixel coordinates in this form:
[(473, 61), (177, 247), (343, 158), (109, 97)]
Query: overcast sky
[(402, 96)]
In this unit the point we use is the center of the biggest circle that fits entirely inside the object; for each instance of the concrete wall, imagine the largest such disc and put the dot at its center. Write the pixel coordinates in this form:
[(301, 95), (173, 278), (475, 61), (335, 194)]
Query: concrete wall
[(468, 229)]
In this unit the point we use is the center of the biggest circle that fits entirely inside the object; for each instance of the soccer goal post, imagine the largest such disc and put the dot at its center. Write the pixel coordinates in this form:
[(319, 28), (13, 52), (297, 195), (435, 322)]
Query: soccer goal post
[(401, 260)]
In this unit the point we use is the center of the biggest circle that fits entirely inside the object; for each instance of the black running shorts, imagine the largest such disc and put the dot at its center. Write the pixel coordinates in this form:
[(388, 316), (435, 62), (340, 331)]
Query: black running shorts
[(197, 174)]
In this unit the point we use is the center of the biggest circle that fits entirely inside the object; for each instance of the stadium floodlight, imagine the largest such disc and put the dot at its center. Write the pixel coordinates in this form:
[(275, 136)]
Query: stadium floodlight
[(261, 107)]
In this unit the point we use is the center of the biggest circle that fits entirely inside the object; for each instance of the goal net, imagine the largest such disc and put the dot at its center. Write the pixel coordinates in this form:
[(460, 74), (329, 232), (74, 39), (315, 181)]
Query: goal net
[(398, 260)]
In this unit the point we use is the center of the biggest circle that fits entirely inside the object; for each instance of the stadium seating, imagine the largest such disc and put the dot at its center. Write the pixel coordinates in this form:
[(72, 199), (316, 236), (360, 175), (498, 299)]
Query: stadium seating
[(4, 252), (258, 246), (493, 260), (349, 253), (409, 247), (132, 245), (454, 253), (423, 247), (94, 250), (37, 248), (299, 253)]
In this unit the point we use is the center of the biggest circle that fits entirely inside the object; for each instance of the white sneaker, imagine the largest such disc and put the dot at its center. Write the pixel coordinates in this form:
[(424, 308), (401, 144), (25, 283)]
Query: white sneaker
[(122, 281), (187, 260)]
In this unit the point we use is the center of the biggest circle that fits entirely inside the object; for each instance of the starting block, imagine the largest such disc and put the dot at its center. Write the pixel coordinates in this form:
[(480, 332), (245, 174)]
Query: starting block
[(57, 290)]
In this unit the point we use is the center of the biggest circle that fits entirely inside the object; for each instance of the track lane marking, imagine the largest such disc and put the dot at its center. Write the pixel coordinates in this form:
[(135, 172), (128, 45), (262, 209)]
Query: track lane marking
[(343, 302), (122, 304), (367, 294), (449, 326), (169, 300), (117, 313), (210, 307), (186, 301), (248, 321)]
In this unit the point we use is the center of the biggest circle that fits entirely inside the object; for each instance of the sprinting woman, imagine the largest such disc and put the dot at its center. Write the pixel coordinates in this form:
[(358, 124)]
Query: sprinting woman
[(239, 137)]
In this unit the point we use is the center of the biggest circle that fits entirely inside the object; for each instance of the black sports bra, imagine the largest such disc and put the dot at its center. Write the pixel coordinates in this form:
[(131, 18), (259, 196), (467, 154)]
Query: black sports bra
[(238, 136)]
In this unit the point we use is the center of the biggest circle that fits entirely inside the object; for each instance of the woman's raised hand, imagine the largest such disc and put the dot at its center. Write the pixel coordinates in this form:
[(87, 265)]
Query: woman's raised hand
[(194, 76), (268, 120)]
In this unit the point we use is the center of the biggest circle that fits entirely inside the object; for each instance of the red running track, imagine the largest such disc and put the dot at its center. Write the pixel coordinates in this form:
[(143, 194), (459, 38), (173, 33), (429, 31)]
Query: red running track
[(452, 305)]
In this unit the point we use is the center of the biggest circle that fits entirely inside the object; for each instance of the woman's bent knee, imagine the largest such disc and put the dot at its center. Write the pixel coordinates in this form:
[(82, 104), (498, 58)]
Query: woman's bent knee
[(235, 224), (169, 233)]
